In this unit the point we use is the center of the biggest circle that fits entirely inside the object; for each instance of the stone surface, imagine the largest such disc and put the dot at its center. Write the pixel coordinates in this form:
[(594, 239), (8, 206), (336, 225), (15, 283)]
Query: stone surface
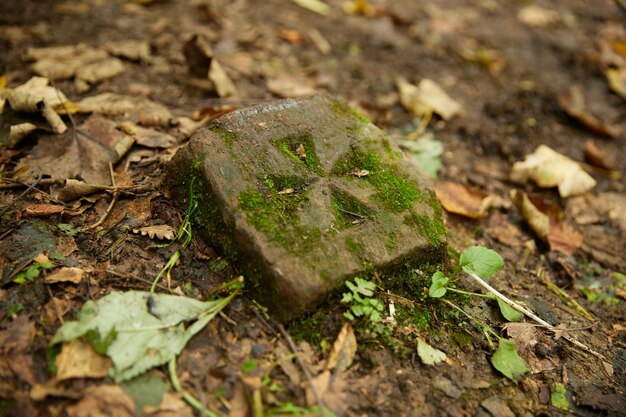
[(305, 194)]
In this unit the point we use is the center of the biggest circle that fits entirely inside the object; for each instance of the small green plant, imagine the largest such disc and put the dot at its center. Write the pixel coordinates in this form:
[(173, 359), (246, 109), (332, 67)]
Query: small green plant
[(483, 263), (32, 272), (183, 235), (362, 304)]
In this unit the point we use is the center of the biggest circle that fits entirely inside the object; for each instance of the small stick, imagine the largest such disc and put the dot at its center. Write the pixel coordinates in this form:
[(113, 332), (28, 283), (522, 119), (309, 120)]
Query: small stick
[(110, 208), (532, 315), (305, 370), (7, 208)]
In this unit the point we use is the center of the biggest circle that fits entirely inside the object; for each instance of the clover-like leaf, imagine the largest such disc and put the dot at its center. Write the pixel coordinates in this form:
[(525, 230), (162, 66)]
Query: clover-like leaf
[(438, 285), (481, 261), (507, 361), (509, 312)]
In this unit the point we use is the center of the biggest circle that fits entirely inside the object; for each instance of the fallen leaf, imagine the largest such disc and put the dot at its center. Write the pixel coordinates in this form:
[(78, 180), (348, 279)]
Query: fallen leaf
[(203, 64), (597, 155), (146, 389), (65, 274), (160, 231), (526, 339), (101, 401), (294, 37), (135, 50), (537, 16), (16, 359), (84, 154), (503, 230), (548, 222), (331, 388), (551, 169), (288, 85), (140, 330), (497, 407), (574, 105), (359, 7), (172, 405), (428, 354), (148, 137), (62, 62), (458, 199), (426, 98), (426, 153), (315, 6), (93, 73), (507, 361), (343, 350), (617, 81), (293, 372), (77, 359), (41, 210), (37, 96), (137, 109)]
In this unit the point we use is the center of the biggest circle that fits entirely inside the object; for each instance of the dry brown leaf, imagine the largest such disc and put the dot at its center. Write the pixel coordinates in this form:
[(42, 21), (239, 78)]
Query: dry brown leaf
[(203, 64), (426, 98), (16, 360), (37, 96), (537, 16), (90, 74), (148, 137), (135, 50), (287, 365), (172, 405), (343, 350), (617, 81), (292, 36), (65, 274), (616, 207), (62, 62), (331, 388), (574, 104), (551, 169), (288, 85), (526, 337), (41, 210), (458, 199), (160, 231), (597, 155), (548, 223), (78, 360), (503, 230), (103, 401), (73, 189), (19, 132), (136, 109), (85, 154)]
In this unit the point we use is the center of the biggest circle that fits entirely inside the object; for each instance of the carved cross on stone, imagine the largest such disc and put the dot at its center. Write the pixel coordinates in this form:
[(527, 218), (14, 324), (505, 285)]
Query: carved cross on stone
[(305, 194)]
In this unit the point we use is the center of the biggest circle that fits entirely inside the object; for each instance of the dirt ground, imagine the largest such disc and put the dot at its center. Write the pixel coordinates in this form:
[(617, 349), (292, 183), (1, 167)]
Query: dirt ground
[(514, 67)]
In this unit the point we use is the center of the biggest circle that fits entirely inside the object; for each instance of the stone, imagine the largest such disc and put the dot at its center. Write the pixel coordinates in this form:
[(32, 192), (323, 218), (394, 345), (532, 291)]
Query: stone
[(303, 195)]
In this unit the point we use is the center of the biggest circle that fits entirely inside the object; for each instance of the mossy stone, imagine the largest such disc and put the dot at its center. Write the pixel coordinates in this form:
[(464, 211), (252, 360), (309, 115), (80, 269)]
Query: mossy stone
[(305, 194)]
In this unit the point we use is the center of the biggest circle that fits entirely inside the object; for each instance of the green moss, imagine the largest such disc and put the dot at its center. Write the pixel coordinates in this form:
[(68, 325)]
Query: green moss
[(463, 340), (275, 214), (355, 247), (289, 146), (348, 209), (341, 109), (226, 135), (390, 243), (394, 191), (433, 229)]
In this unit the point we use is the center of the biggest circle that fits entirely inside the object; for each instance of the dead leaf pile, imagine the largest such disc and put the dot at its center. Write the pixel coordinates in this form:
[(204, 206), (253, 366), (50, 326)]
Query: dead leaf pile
[(548, 168), (88, 65)]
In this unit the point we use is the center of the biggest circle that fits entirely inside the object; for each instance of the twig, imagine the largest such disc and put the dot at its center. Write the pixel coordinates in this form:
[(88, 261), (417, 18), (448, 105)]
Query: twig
[(532, 315), (305, 370), (110, 208), (7, 208)]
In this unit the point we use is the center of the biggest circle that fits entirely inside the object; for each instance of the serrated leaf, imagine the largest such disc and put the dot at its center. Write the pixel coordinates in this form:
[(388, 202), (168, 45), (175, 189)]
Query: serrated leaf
[(437, 287), (149, 329), (481, 261), (428, 354), (160, 231), (507, 361), (509, 312)]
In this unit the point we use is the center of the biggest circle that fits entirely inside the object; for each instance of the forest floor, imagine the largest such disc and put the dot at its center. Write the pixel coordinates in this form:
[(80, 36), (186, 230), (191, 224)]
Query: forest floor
[(524, 73)]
